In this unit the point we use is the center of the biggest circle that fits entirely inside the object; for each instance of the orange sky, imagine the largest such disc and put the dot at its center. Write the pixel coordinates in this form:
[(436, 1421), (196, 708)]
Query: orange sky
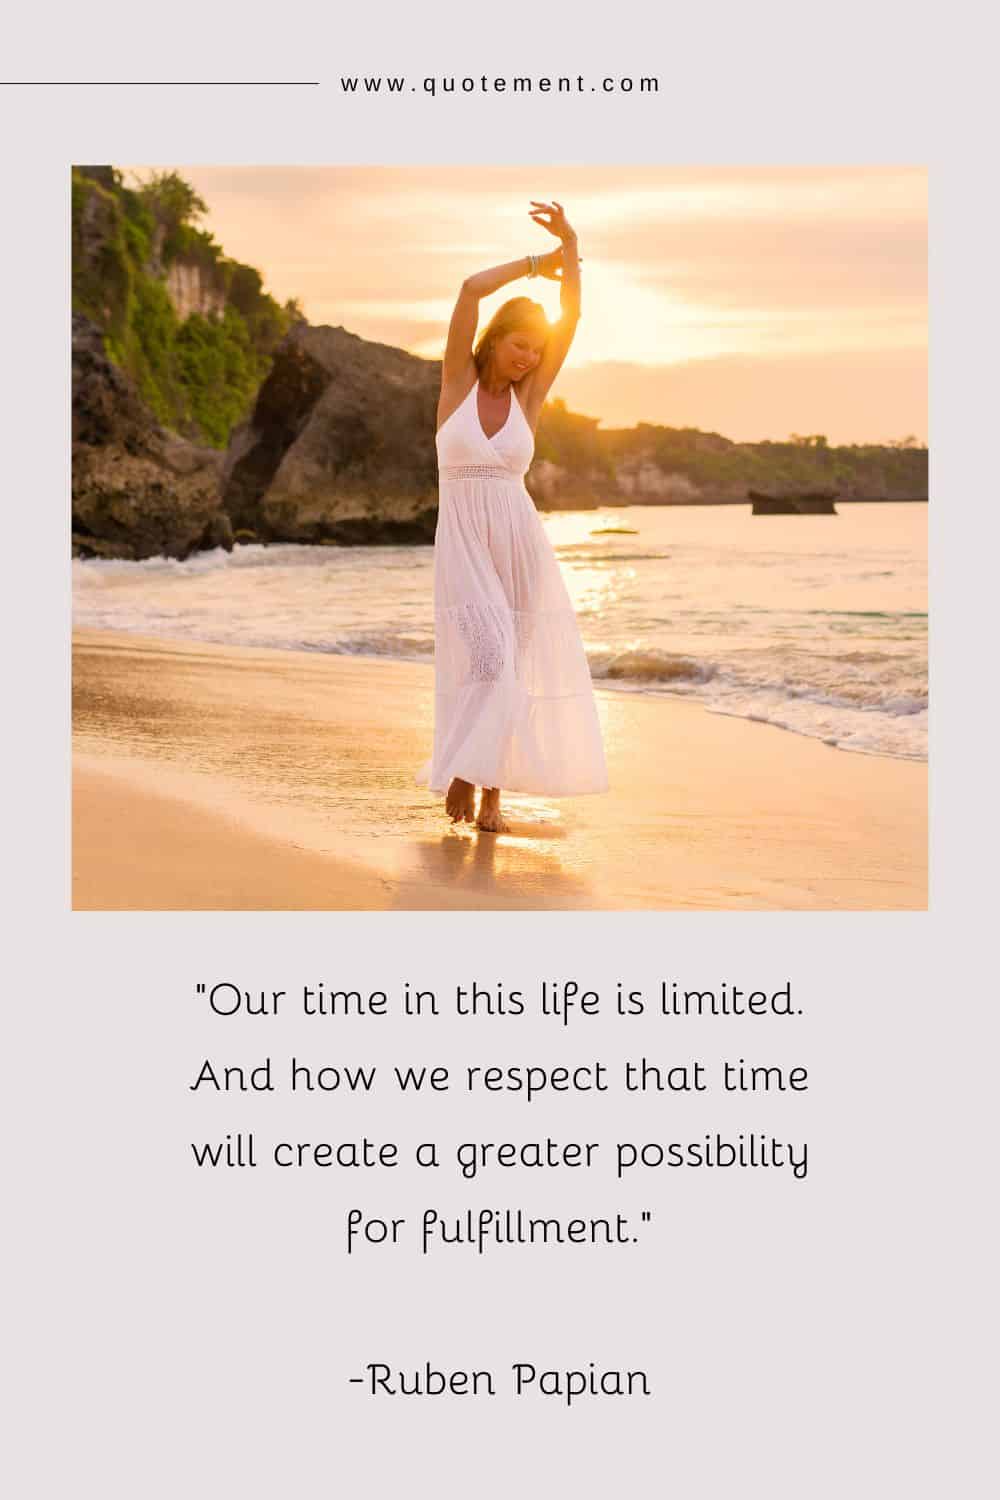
[(752, 301)]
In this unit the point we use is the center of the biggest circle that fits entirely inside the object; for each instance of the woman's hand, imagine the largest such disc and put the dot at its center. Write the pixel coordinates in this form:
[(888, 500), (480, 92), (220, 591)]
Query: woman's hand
[(552, 218), (550, 265)]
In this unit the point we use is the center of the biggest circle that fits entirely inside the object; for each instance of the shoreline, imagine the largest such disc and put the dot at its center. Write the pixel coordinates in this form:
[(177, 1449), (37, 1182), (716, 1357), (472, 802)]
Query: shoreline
[(211, 777), (639, 687)]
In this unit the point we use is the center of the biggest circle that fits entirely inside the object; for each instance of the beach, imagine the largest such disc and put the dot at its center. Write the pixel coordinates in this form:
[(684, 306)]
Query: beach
[(216, 777)]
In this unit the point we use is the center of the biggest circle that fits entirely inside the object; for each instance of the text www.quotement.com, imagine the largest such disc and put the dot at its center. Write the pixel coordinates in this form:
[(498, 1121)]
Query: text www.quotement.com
[(455, 83)]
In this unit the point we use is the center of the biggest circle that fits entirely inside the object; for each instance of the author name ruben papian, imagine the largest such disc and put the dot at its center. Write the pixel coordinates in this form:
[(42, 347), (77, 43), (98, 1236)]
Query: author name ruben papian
[(522, 1379)]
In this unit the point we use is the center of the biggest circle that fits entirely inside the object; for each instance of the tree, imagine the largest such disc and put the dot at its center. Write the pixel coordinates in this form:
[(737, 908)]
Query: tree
[(173, 201)]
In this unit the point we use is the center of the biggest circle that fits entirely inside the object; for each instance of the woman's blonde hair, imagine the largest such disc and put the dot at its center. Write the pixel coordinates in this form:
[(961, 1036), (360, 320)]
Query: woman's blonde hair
[(519, 315)]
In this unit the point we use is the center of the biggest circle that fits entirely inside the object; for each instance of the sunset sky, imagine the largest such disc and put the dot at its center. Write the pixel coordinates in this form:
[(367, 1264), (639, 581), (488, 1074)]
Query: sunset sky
[(751, 301)]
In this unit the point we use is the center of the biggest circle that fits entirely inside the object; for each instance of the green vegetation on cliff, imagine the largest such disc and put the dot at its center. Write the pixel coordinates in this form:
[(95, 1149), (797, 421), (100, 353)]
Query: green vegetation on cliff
[(572, 441), (718, 468), (641, 463), (137, 252)]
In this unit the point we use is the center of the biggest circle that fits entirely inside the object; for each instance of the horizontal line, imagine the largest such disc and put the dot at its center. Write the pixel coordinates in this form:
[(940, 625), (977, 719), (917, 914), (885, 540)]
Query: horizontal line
[(159, 83)]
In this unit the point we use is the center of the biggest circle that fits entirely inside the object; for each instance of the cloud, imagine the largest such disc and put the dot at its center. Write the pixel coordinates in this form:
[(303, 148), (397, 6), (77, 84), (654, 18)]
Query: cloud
[(861, 396)]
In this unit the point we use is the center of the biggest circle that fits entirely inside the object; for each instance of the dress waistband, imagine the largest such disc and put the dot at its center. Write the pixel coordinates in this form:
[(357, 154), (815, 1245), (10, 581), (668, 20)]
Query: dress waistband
[(476, 471)]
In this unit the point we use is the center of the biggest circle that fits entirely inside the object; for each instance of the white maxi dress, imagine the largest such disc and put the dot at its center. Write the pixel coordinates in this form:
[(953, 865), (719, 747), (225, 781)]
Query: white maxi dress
[(513, 703)]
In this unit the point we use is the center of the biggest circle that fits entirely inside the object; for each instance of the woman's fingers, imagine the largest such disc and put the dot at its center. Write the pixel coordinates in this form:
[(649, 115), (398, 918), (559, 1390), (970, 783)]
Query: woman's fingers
[(549, 215)]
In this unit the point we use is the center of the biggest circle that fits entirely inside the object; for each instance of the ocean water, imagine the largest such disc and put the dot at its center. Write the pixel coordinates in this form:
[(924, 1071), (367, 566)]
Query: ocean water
[(817, 624)]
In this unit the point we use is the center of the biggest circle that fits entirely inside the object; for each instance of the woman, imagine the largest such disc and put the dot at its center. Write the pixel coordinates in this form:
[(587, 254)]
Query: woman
[(514, 705)]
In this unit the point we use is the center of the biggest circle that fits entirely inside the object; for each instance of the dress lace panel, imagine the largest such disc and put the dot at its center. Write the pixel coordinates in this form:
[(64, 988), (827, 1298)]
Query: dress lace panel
[(475, 471)]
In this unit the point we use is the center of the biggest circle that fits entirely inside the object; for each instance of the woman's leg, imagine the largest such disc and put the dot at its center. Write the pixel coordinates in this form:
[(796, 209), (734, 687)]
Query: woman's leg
[(460, 802), (490, 818), (483, 665)]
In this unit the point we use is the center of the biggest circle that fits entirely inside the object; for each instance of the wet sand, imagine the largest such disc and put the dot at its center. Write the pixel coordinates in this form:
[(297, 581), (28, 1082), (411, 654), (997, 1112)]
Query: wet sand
[(234, 778)]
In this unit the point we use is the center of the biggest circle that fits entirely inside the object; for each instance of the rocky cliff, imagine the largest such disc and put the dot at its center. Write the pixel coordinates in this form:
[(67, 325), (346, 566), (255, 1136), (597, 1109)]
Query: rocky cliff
[(192, 328), (138, 490), (655, 465), (339, 446), (193, 289)]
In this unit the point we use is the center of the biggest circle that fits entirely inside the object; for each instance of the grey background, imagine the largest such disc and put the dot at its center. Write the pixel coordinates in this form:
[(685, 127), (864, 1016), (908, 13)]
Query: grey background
[(176, 1333)]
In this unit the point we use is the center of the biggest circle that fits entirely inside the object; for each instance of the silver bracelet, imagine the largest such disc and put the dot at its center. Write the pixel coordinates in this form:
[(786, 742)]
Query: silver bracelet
[(532, 265)]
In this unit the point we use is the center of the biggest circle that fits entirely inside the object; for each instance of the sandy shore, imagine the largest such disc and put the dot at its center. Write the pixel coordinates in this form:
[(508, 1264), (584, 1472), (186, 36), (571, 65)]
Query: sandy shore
[(229, 778)]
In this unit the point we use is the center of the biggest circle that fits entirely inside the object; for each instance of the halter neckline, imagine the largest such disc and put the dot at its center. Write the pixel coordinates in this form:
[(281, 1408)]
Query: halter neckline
[(510, 410)]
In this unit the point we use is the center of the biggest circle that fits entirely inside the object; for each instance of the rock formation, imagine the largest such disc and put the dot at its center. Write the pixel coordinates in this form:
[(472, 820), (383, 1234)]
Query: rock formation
[(793, 505), (192, 289), (339, 446), (138, 489)]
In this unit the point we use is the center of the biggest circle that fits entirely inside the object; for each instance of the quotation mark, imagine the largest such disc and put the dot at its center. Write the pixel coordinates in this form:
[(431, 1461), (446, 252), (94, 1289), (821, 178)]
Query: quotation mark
[(646, 1217)]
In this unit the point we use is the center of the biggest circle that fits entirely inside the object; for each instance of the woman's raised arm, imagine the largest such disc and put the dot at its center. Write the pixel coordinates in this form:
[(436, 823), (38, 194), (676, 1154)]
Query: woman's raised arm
[(561, 335), (457, 363)]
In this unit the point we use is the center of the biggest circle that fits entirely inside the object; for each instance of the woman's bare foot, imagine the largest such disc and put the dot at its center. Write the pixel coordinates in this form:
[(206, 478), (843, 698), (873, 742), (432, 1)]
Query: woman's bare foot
[(460, 803), (490, 819)]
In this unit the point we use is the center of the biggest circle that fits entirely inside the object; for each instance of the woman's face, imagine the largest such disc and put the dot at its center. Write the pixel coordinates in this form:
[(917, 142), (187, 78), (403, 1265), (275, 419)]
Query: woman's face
[(517, 354)]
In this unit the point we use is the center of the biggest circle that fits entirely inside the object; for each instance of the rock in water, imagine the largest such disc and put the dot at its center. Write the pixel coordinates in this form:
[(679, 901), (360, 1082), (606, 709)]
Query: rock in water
[(339, 446), (138, 490), (817, 503)]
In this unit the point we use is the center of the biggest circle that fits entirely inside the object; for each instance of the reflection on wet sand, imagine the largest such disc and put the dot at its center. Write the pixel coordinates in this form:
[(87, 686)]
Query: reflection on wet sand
[(520, 869)]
